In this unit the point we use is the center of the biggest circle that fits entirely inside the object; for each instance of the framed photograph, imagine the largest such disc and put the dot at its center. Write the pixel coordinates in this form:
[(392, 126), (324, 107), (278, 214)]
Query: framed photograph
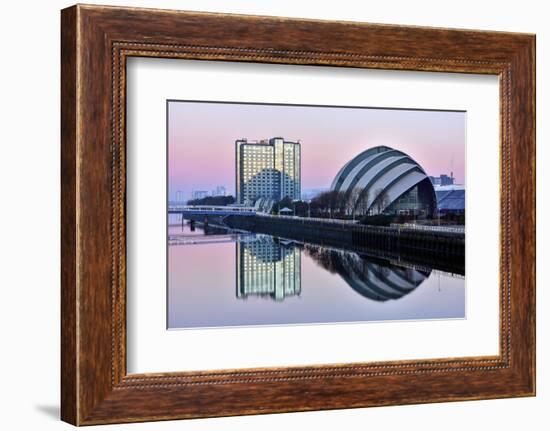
[(282, 217), (263, 214)]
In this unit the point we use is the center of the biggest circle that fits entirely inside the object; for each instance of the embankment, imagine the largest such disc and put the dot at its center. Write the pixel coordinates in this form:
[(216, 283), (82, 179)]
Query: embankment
[(437, 249)]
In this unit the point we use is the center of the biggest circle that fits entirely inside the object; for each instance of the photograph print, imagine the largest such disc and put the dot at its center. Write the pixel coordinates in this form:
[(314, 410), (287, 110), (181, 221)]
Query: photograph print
[(284, 214)]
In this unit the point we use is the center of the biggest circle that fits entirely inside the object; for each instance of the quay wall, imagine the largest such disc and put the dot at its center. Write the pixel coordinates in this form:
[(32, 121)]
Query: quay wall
[(439, 249)]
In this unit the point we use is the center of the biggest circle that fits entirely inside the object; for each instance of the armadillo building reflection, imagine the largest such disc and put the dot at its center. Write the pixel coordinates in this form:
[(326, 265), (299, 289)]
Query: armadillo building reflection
[(373, 279), (267, 268)]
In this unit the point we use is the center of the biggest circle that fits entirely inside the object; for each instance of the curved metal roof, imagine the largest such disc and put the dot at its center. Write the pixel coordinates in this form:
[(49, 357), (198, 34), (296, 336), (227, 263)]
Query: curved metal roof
[(378, 171)]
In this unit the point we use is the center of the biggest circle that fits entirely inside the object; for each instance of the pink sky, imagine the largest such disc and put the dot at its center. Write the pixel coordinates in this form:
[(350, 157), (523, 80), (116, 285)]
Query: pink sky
[(201, 139)]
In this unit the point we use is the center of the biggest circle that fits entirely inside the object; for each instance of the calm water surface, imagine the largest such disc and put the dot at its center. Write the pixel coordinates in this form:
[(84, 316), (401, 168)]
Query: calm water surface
[(222, 278)]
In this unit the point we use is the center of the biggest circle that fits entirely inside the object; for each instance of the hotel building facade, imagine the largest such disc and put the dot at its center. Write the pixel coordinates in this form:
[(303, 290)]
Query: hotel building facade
[(267, 169), (268, 269)]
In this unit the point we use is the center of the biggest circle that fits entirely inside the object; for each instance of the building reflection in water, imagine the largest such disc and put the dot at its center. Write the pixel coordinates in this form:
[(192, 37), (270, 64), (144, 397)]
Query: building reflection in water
[(271, 268), (375, 279), (268, 268)]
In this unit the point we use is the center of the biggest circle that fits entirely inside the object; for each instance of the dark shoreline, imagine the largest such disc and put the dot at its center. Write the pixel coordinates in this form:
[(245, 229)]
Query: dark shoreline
[(438, 250)]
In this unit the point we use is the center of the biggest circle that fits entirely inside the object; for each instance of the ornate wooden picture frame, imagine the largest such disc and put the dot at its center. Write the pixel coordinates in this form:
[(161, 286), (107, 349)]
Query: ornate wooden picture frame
[(96, 41)]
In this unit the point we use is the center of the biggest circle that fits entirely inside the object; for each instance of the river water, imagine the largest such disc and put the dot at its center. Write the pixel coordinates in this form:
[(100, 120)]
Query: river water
[(219, 278)]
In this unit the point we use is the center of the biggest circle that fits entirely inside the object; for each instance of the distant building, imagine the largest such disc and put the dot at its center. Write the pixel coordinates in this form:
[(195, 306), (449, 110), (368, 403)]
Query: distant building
[(451, 199), (268, 269), (267, 169), (309, 194), (199, 194), (443, 180), (219, 191)]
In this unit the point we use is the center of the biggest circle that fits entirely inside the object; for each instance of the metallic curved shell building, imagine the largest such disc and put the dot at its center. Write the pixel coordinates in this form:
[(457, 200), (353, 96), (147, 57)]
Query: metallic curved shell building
[(383, 180)]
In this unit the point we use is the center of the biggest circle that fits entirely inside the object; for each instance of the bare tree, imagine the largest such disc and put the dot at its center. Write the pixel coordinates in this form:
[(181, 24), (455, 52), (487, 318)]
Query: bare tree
[(351, 201), (337, 202), (362, 202), (323, 201), (382, 200), (385, 198), (330, 202)]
